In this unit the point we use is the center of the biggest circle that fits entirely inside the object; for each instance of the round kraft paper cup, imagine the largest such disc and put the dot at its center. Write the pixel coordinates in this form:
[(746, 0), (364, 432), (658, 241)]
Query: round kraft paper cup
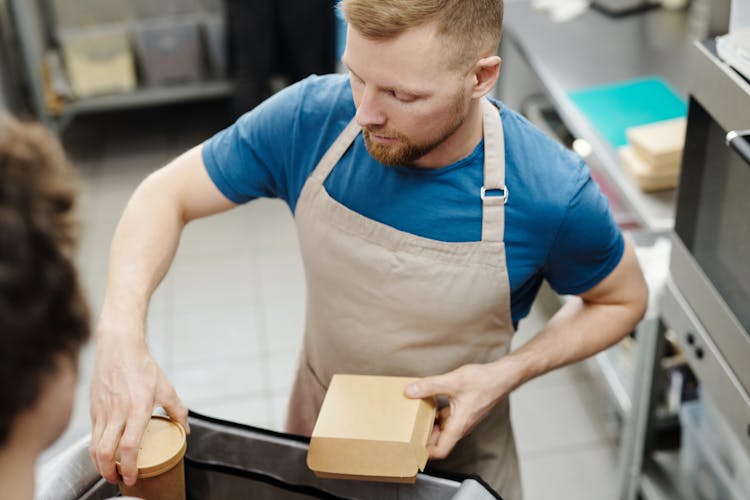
[(161, 470)]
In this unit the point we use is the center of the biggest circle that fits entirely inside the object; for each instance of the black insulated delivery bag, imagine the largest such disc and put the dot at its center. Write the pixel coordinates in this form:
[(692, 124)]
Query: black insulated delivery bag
[(225, 460)]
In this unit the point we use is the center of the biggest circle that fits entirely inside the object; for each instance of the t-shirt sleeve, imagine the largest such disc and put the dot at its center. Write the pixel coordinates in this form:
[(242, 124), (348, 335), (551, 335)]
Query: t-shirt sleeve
[(588, 245), (252, 157)]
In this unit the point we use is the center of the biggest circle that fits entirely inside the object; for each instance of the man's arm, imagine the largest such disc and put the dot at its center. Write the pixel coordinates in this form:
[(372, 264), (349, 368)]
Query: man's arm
[(127, 383), (582, 327)]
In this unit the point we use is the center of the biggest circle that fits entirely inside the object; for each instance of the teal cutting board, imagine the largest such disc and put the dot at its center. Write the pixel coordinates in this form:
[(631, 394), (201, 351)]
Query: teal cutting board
[(613, 108)]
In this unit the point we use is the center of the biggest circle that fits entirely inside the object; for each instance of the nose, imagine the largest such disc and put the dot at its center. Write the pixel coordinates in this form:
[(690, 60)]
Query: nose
[(369, 113)]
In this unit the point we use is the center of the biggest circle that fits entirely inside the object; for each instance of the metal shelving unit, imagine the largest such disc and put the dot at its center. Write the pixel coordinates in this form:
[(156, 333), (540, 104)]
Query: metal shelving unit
[(620, 391), (33, 37), (552, 66), (658, 478), (144, 97), (635, 476), (563, 61)]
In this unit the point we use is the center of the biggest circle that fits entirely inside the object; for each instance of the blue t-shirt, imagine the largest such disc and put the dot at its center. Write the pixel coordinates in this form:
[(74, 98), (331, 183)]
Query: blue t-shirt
[(557, 222)]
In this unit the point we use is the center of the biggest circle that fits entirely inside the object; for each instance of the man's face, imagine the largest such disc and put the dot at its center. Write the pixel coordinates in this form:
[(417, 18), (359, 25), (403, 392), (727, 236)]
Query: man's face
[(409, 102)]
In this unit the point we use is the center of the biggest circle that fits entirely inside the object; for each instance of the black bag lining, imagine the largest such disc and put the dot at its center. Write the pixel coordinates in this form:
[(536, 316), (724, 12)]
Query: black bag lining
[(452, 476), (263, 478), (259, 430)]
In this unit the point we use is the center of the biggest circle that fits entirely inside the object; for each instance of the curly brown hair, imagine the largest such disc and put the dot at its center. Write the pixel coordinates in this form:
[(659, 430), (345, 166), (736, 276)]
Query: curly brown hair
[(42, 310)]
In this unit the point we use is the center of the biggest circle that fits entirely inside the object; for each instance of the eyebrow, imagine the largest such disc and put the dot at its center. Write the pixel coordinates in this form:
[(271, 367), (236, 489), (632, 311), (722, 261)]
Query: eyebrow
[(411, 92)]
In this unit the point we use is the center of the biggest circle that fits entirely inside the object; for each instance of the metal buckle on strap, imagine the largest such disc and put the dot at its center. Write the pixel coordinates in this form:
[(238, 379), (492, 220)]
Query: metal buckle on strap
[(503, 189)]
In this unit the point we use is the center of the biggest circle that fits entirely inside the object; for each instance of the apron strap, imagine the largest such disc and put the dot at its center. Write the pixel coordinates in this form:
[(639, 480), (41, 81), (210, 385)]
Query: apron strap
[(336, 151), (494, 193)]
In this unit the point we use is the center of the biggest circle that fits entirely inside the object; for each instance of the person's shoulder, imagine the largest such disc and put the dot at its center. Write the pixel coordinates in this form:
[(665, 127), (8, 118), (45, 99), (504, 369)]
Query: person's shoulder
[(326, 94), (314, 103), (326, 86)]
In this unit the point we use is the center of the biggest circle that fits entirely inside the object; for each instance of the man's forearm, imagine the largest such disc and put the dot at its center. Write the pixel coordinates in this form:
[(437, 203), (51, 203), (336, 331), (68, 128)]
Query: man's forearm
[(577, 331), (142, 250), (585, 325), (580, 329), (147, 236)]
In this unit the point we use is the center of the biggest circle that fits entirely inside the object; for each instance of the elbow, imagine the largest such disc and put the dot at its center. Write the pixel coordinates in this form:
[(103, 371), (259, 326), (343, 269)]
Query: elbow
[(642, 305), (151, 187), (162, 194), (640, 300)]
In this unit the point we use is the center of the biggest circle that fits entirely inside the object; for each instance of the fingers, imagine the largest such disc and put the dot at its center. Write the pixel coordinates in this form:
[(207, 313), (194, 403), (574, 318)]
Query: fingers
[(119, 438), (451, 430), (431, 386), (175, 408), (432, 442), (98, 420), (470, 398), (105, 449), (443, 415), (130, 443), (448, 430)]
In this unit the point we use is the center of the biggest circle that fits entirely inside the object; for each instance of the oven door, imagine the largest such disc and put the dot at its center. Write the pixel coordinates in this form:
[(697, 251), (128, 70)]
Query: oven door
[(710, 261)]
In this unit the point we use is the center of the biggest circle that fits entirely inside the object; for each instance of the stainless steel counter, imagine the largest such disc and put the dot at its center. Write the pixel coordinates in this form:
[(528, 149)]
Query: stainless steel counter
[(540, 55)]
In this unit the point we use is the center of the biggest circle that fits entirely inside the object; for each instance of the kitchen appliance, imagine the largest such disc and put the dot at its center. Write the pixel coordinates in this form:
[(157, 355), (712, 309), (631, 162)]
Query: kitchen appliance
[(707, 300), (734, 47)]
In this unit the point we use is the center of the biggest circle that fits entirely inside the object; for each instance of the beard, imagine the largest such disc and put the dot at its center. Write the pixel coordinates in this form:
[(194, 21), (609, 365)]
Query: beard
[(404, 151)]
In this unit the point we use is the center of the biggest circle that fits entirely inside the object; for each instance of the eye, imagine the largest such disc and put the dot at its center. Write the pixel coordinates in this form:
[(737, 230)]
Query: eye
[(400, 96)]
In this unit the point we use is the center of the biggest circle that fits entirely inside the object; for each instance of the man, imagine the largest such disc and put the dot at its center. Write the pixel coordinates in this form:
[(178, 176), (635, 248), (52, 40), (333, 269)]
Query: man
[(427, 218), (43, 317)]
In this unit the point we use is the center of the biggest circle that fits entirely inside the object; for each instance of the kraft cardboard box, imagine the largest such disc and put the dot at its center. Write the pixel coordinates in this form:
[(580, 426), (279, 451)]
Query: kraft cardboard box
[(368, 430), (643, 175), (659, 145)]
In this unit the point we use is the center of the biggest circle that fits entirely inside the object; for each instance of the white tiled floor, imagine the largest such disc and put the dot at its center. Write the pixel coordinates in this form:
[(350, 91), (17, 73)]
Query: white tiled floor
[(226, 323)]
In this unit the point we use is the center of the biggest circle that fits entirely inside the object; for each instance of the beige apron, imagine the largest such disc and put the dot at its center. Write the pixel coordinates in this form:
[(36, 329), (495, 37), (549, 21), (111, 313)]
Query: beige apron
[(385, 302)]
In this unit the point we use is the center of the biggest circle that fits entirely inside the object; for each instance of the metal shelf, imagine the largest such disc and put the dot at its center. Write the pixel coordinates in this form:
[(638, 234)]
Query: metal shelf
[(564, 60), (146, 96), (660, 477), (655, 211), (32, 32), (618, 389)]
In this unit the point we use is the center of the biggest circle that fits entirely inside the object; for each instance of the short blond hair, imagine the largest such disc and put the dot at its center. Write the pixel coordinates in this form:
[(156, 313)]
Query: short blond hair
[(472, 28)]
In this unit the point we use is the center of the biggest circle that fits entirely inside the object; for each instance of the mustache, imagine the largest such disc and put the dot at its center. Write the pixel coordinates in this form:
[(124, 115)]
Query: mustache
[(382, 132)]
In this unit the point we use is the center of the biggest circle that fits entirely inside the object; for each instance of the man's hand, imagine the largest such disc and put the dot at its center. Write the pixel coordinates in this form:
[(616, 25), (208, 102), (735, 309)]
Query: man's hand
[(472, 391), (126, 386), (127, 383)]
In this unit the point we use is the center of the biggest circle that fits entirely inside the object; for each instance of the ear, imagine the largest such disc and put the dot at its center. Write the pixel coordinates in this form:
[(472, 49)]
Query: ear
[(486, 72)]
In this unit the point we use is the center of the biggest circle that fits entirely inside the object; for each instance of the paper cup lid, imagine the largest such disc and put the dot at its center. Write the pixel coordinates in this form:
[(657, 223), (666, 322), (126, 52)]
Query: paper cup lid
[(162, 447)]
